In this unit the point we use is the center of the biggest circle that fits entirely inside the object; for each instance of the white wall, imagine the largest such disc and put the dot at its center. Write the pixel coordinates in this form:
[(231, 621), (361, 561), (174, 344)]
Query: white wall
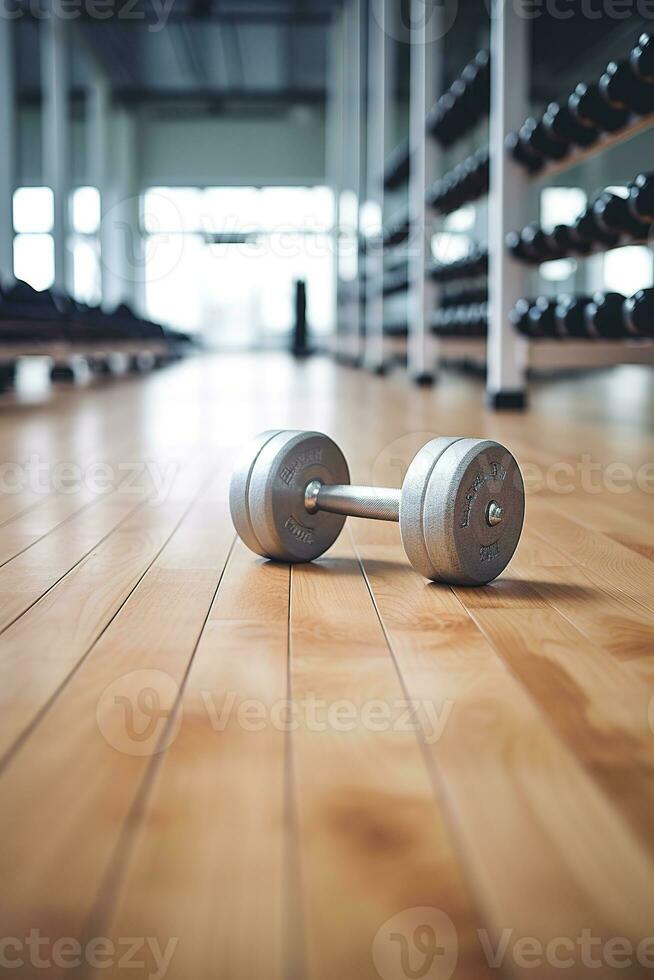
[(186, 147)]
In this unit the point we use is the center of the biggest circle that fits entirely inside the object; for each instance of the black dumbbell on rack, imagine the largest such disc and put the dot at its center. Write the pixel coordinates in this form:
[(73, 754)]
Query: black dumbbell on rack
[(641, 198), (569, 317), (602, 316), (462, 296), (559, 123), (468, 320), (466, 102), (610, 220), (638, 314), (624, 90), (614, 216), (641, 59), (467, 182), (533, 245), (589, 108), (472, 266)]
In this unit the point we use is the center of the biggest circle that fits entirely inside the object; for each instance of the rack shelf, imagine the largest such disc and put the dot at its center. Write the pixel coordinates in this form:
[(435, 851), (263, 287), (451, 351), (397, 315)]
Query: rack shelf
[(605, 142)]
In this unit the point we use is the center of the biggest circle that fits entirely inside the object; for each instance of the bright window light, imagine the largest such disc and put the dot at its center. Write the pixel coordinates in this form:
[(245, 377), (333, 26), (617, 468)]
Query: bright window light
[(33, 210), (447, 247), (34, 260), (370, 219), (310, 208), (172, 210), (242, 294), (86, 210), (561, 206), (628, 269), (230, 209), (348, 211), (87, 285), (558, 270), (215, 210), (461, 220)]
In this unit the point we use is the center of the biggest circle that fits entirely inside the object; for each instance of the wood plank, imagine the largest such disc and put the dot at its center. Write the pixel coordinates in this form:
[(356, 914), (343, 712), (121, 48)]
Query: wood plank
[(223, 780), (598, 708), (41, 648), (532, 826), (88, 755), (370, 827)]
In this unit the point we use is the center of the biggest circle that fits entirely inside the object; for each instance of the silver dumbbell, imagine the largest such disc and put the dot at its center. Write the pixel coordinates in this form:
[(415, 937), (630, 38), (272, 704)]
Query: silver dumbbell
[(460, 509)]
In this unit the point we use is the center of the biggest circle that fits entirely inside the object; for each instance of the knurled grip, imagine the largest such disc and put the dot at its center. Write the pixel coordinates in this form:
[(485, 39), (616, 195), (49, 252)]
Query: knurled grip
[(377, 503)]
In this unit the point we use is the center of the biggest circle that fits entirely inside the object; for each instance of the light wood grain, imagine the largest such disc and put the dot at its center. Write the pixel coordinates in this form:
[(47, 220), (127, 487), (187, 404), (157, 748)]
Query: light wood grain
[(87, 754), (517, 800)]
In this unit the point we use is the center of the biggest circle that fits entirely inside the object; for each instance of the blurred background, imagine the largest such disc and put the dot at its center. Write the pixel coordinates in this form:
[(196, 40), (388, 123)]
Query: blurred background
[(230, 170)]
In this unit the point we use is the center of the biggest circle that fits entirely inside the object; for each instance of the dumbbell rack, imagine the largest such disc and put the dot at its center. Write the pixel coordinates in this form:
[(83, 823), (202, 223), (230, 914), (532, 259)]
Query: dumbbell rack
[(506, 355), (510, 356)]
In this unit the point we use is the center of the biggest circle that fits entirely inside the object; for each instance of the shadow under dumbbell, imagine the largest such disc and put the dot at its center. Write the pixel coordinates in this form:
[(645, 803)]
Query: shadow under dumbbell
[(506, 592)]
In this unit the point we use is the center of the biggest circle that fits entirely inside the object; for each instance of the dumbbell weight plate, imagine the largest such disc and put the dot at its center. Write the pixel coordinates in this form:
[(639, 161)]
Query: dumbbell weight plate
[(412, 501), (239, 489), (279, 473), (462, 547)]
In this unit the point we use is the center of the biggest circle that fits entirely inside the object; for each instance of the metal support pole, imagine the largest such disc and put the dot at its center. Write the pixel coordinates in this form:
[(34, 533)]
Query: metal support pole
[(375, 353), (56, 136), (334, 154), (351, 166), (98, 121), (506, 350), (425, 40), (123, 258), (9, 142)]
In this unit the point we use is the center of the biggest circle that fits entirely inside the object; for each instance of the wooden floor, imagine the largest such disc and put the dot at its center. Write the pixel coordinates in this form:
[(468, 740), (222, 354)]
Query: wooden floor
[(217, 767)]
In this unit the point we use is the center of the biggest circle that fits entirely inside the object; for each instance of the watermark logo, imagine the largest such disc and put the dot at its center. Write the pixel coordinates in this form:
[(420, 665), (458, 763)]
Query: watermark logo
[(154, 14), (416, 944), (144, 479), (36, 951), (415, 21), (136, 713), (559, 478), (390, 465)]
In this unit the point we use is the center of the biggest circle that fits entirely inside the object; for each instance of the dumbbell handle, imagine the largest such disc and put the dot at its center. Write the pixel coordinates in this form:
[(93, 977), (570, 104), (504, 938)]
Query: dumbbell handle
[(377, 503)]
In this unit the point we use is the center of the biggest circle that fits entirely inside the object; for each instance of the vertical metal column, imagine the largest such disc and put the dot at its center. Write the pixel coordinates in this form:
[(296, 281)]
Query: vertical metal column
[(425, 40), (506, 350), (352, 143), (56, 135), (375, 352), (9, 143), (97, 129), (334, 155), (123, 258)]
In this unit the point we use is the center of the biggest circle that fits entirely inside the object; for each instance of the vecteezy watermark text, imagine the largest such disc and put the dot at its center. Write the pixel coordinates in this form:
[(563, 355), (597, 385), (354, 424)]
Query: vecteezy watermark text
[(41, 952), (146, 478), (154, 14), (422, 944), (140, 713)]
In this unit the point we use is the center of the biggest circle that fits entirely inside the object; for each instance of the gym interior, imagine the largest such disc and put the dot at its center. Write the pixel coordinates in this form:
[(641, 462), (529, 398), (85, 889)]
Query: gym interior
[(266, 265)]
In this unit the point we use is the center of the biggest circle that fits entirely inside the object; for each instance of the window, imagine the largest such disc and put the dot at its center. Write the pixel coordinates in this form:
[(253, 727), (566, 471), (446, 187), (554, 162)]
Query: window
[(560, 206), (628, 269), (86, 211), (33, 210), (84, 243), (33, 213), (34, 260), (223, 260)]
